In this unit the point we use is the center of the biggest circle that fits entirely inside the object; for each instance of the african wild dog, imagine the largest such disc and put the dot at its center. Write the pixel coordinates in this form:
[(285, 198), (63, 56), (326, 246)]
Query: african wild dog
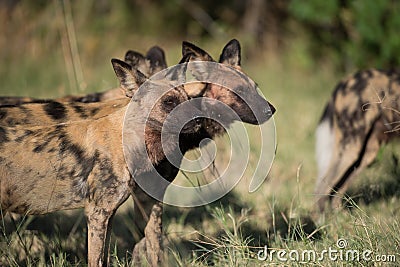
[(80, 163), (153, 62), (245, 108), (362, 114)]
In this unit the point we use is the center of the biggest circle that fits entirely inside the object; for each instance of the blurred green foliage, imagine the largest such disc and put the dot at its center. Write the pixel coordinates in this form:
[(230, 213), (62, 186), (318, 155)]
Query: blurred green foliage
[(347, 35), (358, 33)]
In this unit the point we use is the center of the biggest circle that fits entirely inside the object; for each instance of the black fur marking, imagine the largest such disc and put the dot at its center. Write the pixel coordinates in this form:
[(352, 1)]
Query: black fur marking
[(81, 111), (107, 172), (3, 135), (75, 150), (3, 114), (360, 84), (355, 165), (39, 148), (55, 110), (90, 98), (346, 122), (94, 111), (340, 87), (42, 101), (21, 138), (88, 164), (369, 73)]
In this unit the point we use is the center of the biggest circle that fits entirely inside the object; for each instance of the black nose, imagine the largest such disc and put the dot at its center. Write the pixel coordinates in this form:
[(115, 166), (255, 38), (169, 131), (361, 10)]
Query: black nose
[(269, 110)]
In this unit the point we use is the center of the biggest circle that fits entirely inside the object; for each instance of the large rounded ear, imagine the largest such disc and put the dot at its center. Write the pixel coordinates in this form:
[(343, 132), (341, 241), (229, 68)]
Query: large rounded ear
[(135, 59), (130, 79), (195, 53), (191, 53), (231, 53), (156, 57)]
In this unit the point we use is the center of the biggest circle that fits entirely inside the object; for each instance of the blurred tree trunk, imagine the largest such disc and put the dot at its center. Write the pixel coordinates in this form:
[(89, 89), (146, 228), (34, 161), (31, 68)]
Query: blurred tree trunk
[(264, 22)]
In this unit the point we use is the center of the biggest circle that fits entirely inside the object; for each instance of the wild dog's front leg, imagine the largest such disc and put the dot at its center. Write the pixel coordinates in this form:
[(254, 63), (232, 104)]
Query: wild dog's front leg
[(153, 234), (99, 229), (148, 220), (100, 209), (151, 246)]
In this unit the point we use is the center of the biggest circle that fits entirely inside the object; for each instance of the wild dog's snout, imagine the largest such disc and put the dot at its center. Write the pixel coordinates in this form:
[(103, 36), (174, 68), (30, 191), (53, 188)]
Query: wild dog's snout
[(270, 110), (254, 109)]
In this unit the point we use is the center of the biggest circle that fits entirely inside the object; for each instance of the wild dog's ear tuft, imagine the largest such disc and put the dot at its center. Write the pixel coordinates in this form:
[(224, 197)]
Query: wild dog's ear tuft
[(231, 53), (156, 56), (194, 52), (129, 78)]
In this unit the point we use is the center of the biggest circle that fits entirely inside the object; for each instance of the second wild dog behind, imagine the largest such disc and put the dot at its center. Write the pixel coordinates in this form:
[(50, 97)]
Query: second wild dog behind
[(81, 163), (362, 114)]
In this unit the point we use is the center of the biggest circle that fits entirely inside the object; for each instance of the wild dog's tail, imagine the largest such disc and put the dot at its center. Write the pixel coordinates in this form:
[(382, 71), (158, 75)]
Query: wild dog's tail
[(324, 143)]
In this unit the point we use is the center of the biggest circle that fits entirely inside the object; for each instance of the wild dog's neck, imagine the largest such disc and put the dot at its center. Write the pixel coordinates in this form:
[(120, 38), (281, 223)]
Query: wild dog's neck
[(213, 128), (157, 147), (153, 145)]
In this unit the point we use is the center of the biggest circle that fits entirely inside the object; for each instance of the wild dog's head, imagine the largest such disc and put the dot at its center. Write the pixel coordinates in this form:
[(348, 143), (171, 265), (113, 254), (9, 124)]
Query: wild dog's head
[(159, 109), (158, 100), (242, 97)]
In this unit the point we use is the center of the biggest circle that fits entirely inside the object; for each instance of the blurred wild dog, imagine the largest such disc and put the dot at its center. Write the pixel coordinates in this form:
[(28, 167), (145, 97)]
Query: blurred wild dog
[(253, 109), (153, 62), (362, 114), (81, 163)]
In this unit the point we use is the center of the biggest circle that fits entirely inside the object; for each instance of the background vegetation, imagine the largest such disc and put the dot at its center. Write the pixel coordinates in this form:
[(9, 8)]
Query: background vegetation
[(297, 51)]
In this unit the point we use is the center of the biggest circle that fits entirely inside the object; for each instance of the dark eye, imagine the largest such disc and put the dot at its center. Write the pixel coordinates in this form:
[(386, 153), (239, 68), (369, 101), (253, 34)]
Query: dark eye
[(170, 102)]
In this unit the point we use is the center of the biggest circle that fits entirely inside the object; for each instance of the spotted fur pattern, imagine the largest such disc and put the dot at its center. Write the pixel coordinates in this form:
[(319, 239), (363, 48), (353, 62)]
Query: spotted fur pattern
[(361, 115)]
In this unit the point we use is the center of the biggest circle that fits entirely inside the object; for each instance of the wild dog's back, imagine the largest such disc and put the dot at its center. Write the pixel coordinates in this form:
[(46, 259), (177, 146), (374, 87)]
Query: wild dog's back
[(51, 112)]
